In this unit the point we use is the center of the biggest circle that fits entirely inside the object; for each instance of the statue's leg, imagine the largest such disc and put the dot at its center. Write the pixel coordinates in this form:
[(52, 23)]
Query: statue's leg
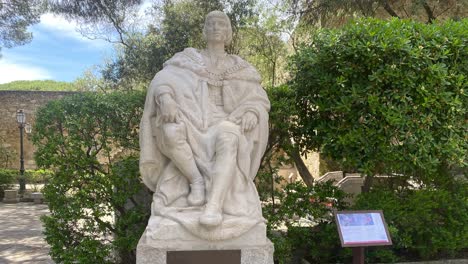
[(223, 173), (179, 152)]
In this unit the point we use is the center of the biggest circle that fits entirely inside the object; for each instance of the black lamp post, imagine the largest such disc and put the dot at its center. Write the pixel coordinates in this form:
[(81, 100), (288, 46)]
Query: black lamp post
[(21, 119)]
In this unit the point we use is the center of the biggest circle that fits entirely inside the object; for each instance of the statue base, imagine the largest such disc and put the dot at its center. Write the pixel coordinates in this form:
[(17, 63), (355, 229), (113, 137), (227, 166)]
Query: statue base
[(163, 236)]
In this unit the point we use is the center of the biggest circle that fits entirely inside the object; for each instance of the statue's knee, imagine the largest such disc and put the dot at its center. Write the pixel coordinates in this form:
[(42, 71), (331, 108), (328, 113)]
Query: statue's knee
[(173, 133), (227, 140)]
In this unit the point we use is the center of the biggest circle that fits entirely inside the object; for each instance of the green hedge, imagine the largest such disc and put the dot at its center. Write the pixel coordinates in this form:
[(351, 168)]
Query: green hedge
[(386, 96), (99, 206), (7, 180), (424, 224)]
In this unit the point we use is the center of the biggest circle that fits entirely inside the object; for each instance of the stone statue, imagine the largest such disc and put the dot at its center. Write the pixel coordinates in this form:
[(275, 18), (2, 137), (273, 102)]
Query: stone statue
[(203, 132)]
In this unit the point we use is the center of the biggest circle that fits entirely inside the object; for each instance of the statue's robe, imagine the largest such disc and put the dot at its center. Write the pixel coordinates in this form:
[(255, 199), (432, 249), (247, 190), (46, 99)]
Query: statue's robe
[(186, 78)]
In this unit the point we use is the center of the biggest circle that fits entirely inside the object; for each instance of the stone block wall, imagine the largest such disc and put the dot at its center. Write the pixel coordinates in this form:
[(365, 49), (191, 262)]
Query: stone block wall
[(30, 102)]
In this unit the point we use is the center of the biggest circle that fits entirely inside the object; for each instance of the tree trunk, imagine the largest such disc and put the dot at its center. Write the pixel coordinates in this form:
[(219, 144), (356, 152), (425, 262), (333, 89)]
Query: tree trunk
[(390, 10), (302, 168), (429, 12), (367, 183)]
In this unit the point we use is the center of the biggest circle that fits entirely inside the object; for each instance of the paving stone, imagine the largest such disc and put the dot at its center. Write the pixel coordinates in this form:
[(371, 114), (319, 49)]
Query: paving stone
[(21, 238)]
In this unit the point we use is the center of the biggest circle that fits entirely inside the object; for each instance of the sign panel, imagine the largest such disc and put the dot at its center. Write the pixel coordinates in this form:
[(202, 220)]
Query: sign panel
[(362, 228), (204, 257)]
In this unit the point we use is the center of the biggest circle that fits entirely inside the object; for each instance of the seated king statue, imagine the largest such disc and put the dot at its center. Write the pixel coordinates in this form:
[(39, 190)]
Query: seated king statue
[(202, 135)]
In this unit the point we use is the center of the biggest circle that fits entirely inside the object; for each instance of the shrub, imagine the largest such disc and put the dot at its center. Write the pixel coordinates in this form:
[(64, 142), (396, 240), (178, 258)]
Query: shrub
[(8, 178), (37, 178), (427, 223), (98, 205), (302, 226), (386, 97)]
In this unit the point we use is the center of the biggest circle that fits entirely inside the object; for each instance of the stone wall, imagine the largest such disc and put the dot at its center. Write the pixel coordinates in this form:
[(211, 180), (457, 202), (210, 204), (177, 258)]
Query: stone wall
[(30, 102)]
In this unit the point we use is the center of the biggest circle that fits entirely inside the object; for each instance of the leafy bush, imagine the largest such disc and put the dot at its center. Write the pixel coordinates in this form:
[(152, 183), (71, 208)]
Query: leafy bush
[(424, 224), (386, 97), (7, 179), (98, 205), (37, 178), (302, 225)]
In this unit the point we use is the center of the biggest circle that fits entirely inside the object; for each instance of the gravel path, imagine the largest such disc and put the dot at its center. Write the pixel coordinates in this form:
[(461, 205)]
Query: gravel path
[(21, 239)]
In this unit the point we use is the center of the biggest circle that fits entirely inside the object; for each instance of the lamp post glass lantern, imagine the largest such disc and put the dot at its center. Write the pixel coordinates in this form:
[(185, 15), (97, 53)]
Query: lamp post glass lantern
[(21, 119), (27, 128)]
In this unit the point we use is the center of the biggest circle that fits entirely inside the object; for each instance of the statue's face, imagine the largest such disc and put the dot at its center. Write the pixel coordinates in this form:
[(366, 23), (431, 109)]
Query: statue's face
[(216, 29)]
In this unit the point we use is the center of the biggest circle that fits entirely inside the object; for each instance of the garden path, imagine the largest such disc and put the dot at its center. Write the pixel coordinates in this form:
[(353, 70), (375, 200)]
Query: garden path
[(21, 238)]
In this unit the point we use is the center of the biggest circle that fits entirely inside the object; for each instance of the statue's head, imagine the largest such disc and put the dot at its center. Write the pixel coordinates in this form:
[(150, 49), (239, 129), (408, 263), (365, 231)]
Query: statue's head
[(217, 27)]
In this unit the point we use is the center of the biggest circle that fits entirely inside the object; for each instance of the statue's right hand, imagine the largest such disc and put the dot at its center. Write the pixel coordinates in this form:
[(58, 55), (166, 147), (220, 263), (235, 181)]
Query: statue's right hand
[(168, 109)]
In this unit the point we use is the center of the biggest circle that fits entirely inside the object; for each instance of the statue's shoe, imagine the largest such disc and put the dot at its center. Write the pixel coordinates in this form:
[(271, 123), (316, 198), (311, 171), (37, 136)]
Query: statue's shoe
[(211, 218), (196, 196)]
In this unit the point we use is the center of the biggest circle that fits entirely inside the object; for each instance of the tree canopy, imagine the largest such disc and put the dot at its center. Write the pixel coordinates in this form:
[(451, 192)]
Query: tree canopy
[(15, 17), (386, 97), (337, 12)]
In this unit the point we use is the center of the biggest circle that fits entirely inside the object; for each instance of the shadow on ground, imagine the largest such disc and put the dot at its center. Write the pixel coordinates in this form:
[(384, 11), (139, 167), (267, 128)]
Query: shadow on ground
[(21, 239)]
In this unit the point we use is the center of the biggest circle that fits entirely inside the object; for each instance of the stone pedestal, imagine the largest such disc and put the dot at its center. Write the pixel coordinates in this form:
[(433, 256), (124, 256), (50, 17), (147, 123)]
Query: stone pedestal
[(11, 196), (168, 235), (37, 197)]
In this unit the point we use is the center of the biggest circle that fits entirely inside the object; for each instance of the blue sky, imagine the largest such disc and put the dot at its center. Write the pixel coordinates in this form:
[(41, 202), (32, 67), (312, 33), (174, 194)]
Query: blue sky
[(57, 52)]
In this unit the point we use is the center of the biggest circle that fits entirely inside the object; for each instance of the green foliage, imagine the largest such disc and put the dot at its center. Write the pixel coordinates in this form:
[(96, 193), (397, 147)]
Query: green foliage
[(386, 97), (424, 224), (47, 85), (135, 65), (7, 179), (338, 12), (145, 52), (15, 17), (90, 140), (302, 225), (37, 178), (6, 154)]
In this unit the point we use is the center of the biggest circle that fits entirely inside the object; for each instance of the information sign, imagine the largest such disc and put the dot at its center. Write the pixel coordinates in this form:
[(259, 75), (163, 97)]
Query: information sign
[(362, 228)]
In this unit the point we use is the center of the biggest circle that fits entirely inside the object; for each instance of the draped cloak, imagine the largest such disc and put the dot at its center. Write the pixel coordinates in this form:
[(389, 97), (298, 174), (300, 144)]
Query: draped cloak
[(186, 78)]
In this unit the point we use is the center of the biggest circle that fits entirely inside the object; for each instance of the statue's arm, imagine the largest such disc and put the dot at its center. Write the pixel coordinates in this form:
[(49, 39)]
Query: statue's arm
[(158, 102)]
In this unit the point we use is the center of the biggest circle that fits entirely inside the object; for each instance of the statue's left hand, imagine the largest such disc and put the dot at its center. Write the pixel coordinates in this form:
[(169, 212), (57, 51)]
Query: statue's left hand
[(249, 121)]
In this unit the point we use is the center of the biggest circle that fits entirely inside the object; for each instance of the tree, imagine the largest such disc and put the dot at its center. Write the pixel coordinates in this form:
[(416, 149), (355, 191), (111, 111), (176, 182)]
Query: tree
[(105, 19), (15, 17), (282, 132), (261, 42), (90, 141), (336, 12), (386, 98), (182, 24)]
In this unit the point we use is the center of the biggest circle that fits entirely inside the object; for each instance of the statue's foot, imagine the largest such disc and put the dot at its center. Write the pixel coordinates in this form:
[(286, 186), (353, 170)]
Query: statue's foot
[(197, 194), (211, 217)]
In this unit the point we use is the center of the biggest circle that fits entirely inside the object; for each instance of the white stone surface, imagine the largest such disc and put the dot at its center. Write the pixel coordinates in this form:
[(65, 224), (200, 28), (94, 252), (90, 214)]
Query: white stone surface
[(202, 135), (252, 255), (167, 233), (11, 196), (150, 251), (37, 197)]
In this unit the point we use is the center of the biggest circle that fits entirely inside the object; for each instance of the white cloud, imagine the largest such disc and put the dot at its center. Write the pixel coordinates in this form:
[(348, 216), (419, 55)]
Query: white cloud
[(14, 72), (62, 27)]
